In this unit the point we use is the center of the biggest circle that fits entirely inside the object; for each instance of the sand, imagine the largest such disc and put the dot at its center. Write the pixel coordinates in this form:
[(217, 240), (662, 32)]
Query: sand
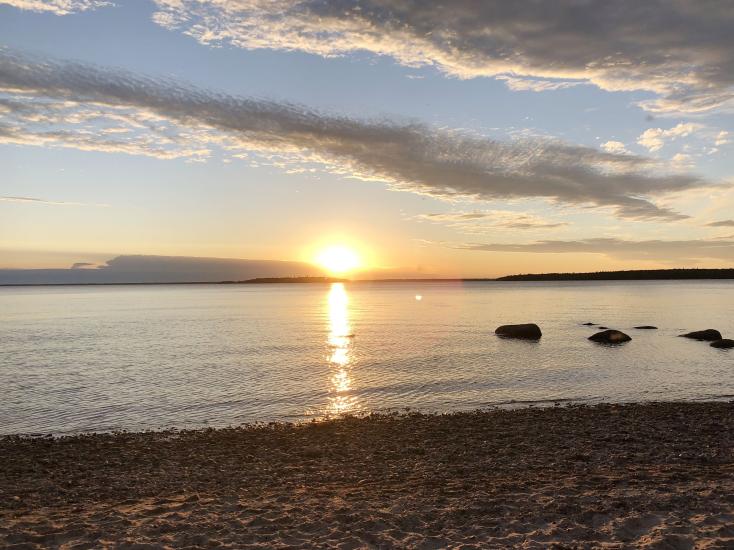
[(609, 476)]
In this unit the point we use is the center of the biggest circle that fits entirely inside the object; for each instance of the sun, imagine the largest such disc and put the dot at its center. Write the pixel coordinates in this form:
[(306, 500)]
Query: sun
[(338, 259)]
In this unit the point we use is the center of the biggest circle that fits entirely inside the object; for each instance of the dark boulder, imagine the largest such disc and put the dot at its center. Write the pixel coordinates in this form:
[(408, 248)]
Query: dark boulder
[(610, 337), (708, 335), (724, 343), (646, 327), (529, 331), (588, 324), (603, 328)]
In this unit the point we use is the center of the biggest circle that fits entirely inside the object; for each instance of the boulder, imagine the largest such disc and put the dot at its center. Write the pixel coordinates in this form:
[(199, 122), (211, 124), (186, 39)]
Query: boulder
[(724, 343), (646, 327), (610, 337), (529, 331), (588, 324), (603, 328), (708, 335)]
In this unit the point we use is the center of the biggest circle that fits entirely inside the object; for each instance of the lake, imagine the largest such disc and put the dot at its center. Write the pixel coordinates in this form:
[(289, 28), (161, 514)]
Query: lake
[(101, 358)]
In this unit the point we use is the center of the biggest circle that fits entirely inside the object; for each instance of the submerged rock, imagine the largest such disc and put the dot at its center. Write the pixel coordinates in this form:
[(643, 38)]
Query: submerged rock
[(610, 337), (708, 335), (646, 327), (529, 331), (724, 343)]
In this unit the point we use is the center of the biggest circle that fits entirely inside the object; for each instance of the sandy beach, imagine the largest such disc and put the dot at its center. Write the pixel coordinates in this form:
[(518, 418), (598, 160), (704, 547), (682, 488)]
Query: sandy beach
[(609, 476)]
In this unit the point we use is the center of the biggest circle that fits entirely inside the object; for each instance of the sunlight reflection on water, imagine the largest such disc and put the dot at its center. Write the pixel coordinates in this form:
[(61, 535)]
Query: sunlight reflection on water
[(340, 343)]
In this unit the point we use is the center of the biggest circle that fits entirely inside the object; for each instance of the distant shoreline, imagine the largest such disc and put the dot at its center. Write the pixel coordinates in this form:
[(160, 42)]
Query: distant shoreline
[(628, 275)]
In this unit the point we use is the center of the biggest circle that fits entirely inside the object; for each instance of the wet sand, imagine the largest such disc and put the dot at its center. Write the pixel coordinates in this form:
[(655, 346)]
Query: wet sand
[(609, 476)]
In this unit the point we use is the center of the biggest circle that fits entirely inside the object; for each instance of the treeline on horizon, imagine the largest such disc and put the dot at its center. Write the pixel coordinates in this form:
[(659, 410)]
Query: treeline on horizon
[(629, 275)]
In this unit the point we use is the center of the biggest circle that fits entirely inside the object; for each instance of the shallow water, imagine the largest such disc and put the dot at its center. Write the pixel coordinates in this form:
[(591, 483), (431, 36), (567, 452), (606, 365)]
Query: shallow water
[(135, 357)]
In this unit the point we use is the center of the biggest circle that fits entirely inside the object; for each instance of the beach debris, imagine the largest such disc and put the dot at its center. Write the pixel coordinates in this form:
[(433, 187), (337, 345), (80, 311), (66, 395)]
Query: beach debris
[(708, 335), (646, 327), (610, 337), (724, 343), (527, 331)]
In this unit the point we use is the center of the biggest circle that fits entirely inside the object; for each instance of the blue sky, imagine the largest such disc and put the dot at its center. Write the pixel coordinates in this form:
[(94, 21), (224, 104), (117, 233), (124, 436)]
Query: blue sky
[(513, 159)]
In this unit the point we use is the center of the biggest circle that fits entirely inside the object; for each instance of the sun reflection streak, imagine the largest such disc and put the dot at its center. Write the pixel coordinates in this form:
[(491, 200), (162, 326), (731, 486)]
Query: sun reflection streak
[(340, 357)]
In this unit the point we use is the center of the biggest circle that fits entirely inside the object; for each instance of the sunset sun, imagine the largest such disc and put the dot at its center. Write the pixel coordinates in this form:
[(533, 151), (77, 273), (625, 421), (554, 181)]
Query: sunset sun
[(338, 259)]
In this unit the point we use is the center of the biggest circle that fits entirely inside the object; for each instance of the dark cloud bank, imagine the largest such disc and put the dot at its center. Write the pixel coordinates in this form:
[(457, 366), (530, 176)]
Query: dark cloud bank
[(160, 269), (410, 156)]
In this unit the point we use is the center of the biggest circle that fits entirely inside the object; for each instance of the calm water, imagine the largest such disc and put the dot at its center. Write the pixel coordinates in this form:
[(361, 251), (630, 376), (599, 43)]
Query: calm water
[(103, 358)]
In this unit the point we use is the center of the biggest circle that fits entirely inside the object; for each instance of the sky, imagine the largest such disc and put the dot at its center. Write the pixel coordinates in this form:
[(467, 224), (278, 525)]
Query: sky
[(433, 139)]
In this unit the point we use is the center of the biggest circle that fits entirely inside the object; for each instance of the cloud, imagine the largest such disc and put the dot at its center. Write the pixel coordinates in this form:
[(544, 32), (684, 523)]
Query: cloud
[(722, 138), (682, 161), (722, 223), (699, 139), (481, 222), (67, 104), (654, 138), (33, 200), (615, 147), (91, 126), (534, 85), (160, 269), (57, 7), (682, 50), (653, 250)]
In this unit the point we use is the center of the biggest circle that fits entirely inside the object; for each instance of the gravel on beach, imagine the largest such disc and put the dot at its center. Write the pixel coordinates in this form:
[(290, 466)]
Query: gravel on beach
[(657, 475)]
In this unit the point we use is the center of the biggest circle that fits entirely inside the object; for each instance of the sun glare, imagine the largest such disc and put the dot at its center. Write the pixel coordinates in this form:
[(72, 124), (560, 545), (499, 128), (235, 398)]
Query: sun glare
[(338, 259)]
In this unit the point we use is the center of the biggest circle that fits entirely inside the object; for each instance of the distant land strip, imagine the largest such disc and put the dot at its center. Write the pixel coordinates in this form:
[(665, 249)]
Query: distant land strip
[(630, 275)]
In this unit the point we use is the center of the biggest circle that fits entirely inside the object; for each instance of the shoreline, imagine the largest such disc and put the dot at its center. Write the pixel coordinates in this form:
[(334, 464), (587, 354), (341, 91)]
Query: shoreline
[(296, 421), (656, 475), (372, 281)]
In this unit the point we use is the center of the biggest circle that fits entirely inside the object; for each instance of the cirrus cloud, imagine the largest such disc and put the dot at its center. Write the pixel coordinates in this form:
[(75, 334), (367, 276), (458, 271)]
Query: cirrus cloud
[(693, 250), (490, 220), (57, 7), (35, 200), (53, 103)]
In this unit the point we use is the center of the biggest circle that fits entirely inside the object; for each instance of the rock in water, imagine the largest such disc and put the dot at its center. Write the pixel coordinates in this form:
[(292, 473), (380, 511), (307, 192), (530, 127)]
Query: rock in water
[(529, 331), (708, 335), (646, 327), (610, 337), (724, 343)]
